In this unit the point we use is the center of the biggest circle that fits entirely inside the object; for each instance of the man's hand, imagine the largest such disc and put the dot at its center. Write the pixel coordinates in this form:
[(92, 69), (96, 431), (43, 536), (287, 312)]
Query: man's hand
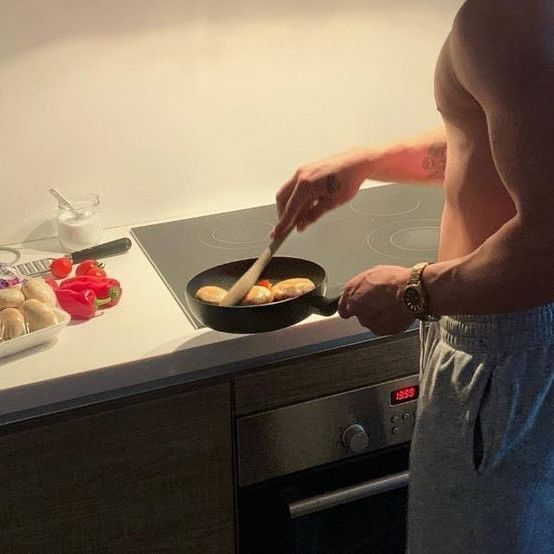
[(375, 298), (319, 187)]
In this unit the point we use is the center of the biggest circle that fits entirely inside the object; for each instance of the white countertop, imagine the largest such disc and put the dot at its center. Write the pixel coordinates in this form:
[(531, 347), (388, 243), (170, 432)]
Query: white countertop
[(144, 343)]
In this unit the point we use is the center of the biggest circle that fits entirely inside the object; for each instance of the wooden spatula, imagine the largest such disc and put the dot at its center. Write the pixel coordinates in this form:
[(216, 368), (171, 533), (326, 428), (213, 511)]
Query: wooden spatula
[(240, 289)]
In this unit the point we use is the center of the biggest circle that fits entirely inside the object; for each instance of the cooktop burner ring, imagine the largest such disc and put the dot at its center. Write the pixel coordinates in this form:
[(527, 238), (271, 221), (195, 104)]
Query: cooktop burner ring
[(420, 236), (391, 204), (237, 235), (421, 230)]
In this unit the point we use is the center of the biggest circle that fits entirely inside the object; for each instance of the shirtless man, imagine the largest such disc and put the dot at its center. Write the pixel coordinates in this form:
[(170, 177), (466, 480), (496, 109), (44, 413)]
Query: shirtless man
[(482, 460)]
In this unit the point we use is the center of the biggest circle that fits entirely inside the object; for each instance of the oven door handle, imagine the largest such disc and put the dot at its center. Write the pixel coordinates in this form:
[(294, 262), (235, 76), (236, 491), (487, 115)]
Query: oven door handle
[(349, 494)]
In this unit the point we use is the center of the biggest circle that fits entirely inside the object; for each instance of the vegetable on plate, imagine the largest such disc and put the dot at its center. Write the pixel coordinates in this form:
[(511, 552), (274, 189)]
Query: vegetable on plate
[(90, 267), (37, 314), (39, 289), (104, 288), (79, 304), (61, 267)]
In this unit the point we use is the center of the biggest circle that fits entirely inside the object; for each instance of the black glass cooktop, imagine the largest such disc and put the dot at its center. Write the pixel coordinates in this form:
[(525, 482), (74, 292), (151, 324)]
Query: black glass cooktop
[(392, 224)]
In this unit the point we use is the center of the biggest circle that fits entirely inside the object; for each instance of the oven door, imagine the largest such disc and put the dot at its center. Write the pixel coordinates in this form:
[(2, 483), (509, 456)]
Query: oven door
[(329, 474), (356, 505)]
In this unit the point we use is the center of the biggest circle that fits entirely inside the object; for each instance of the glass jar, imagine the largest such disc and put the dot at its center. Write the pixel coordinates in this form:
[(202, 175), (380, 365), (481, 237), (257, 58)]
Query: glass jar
[(81, 228)]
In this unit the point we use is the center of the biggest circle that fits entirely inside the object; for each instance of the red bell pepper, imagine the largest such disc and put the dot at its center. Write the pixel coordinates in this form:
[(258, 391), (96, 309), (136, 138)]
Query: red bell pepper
[(79, 305), (104, 288)]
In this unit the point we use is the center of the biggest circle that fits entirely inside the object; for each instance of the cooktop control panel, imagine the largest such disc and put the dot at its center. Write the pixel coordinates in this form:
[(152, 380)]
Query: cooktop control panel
[(328, 429)]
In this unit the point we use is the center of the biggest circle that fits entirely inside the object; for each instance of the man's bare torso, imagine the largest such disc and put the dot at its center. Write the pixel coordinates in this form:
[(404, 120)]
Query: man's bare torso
[(476, 202)]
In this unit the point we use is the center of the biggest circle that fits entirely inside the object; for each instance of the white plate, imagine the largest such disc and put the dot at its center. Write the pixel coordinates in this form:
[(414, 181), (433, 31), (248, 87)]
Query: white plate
[(35, 338)]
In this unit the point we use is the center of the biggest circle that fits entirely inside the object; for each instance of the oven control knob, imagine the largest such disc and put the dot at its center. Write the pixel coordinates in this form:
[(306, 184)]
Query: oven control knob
[(355, 438)]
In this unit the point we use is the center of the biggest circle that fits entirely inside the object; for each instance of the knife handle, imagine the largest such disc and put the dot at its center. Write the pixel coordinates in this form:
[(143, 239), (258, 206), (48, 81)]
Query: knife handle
[(112, 248)]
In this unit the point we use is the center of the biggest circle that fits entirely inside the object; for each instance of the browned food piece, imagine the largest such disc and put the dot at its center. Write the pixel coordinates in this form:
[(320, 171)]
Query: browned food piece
[(12, 297), (39, 289), (291, 288), (211, 294), (257, 295), (37, 314), (12, 324)]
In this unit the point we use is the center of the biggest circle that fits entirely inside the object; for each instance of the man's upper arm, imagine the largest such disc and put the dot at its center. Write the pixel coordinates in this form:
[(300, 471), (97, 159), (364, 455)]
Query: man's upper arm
[(503, 54)]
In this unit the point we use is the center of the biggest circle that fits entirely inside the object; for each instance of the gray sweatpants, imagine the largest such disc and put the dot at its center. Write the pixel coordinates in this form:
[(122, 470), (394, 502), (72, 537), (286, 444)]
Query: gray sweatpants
[(482, 458)]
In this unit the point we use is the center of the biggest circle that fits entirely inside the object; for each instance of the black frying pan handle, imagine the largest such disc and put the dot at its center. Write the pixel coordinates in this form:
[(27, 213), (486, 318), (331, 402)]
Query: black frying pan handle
[(323, 305)]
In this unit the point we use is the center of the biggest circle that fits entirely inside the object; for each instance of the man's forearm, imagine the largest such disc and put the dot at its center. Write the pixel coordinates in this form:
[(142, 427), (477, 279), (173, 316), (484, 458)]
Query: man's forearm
[(512, 270), (421, 159)]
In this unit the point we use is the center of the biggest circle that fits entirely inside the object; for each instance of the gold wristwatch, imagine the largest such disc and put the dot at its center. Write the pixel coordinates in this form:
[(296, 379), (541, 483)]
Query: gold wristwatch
[(415, 296)]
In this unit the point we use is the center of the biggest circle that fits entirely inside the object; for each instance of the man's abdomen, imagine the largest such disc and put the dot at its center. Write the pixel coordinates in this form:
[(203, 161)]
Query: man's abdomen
[(473, 211)]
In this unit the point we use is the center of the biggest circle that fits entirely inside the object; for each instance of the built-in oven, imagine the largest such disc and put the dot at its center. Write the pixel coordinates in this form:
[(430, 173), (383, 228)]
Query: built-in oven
[(328, 475)]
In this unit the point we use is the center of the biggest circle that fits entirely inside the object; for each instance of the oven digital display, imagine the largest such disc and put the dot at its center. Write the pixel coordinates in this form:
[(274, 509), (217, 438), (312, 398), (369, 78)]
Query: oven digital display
[(404, 394)]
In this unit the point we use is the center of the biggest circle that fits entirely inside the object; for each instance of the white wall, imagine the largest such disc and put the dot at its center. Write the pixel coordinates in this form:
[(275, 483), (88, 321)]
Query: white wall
[(174, 108)]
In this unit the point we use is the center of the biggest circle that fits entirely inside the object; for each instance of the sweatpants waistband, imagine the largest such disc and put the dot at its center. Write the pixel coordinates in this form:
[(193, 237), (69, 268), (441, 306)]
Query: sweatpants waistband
[(515, 330)]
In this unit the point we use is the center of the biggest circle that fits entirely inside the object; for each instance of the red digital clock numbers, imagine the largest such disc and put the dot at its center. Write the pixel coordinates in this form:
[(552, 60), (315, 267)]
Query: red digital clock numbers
[(404, 395)]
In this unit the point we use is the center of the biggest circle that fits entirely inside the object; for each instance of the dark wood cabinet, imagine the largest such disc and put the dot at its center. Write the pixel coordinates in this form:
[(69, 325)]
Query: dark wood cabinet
[(156, 472), (151, 475), (326, 373)]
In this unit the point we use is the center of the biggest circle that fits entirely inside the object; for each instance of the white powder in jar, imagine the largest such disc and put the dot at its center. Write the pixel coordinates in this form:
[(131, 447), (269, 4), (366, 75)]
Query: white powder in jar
[(79, 231)]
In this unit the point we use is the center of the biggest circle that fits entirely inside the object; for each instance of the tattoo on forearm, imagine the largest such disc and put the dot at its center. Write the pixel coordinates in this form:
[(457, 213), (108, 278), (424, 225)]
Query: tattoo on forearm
[(332, 184), (435, 162)]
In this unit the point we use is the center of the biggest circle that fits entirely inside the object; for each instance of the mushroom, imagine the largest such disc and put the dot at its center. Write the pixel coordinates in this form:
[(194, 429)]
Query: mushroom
[(12, 324), (38, 315), (12, 297), (39, 289)]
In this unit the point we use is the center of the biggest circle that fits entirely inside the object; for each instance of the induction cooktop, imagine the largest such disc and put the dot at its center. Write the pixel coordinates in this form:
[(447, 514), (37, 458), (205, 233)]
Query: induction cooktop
[(392, 224)]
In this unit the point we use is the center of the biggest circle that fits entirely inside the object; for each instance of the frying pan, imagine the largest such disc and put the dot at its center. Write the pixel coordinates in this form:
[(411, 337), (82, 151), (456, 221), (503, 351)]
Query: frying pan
[(263, 317)]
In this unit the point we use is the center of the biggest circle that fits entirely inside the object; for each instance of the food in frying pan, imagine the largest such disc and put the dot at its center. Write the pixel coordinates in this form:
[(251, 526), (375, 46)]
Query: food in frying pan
[(291, 288), (258, 295), (12, 324), (262, 293), (210, 294)]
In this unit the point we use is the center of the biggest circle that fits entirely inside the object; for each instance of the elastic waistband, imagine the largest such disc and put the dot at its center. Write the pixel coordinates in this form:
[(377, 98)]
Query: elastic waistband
[(515, 330)]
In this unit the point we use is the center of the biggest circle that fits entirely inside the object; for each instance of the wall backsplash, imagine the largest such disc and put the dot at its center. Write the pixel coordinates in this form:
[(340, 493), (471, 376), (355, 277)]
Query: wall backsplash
[(177, 108)]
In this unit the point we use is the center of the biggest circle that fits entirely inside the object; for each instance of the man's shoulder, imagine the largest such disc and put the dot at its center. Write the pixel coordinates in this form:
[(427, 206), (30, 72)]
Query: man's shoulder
[(493, 19), (494, 40)]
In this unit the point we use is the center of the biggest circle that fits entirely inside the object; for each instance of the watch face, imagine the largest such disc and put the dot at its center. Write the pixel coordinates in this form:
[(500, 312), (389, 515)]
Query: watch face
[(413, 299)]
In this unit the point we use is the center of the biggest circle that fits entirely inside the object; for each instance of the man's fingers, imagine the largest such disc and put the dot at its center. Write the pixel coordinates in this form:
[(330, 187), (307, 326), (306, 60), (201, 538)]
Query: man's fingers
[(299, 199), (287, 220), (289, 217), (312, 214), (343, 307), (284, 193), (301, 202)]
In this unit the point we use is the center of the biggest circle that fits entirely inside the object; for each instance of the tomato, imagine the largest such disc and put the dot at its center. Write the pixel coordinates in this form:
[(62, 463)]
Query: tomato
[(85, 266), (61, 267), (96, 272), (265, 283)]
